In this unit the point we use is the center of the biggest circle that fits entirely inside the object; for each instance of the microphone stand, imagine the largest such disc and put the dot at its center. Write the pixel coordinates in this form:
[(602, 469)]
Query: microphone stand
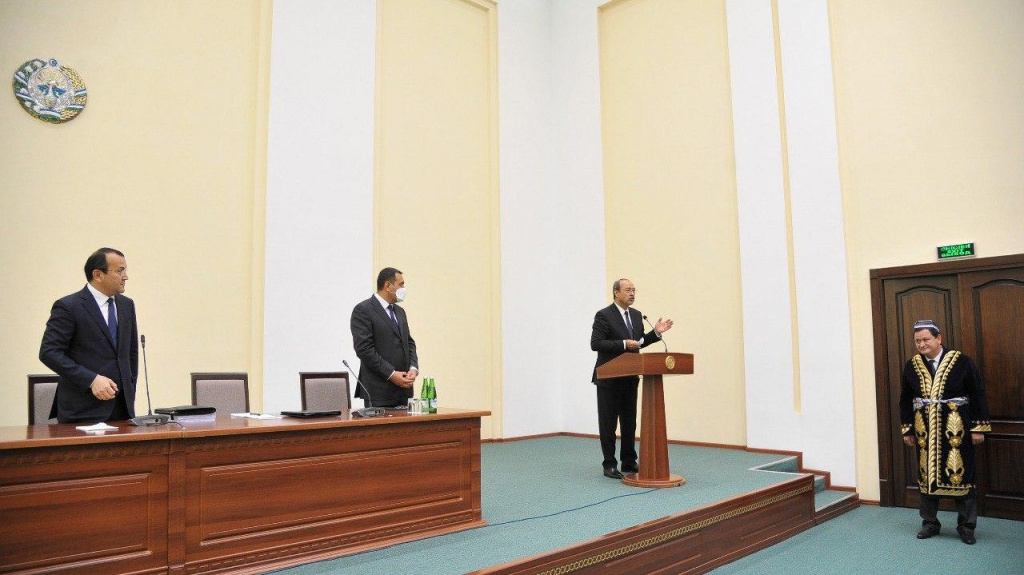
[(366, 411), (660, 336), (149, 419)]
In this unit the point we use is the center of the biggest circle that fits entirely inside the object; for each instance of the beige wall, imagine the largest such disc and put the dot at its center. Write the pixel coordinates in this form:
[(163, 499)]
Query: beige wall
[(931, 139), (165, 163), (436, 213), (670, 197)]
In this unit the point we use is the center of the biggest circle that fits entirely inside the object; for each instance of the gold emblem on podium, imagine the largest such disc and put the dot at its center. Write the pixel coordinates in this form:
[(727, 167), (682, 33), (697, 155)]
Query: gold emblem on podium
[(670, 363)]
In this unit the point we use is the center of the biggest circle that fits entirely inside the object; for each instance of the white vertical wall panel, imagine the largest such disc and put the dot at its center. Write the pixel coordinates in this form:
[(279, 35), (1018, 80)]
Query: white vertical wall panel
[(767, 323), (319, 188), (578, 179), (819, 246), (531, 225), (823, 430)]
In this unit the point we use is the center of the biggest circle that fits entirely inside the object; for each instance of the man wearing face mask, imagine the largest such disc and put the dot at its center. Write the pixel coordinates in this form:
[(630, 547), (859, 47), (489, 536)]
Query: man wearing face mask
[(383, 344)]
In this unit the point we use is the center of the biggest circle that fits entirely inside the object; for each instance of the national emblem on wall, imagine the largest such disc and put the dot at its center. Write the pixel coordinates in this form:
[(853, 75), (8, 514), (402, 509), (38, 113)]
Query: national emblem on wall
[(49, 90)]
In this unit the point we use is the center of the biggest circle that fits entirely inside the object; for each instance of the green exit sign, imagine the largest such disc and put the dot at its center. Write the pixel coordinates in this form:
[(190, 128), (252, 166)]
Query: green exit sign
[(964, 250)]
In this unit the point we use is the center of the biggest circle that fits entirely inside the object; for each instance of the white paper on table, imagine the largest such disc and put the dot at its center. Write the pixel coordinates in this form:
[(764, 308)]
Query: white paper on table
[(256, 415), (95, 428)]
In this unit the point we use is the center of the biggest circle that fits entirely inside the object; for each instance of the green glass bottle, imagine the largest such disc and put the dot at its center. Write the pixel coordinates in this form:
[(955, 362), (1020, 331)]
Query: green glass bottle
[(430, 395)]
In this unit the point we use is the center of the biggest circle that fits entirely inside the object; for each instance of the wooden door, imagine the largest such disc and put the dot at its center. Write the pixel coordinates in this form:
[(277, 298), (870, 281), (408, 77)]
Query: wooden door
[(980, 306), (992, 311), (908, 300)]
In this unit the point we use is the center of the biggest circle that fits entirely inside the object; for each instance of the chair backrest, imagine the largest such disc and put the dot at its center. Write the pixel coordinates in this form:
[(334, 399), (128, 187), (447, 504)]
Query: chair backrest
[(227, 392), (322, 390), (41, 391)]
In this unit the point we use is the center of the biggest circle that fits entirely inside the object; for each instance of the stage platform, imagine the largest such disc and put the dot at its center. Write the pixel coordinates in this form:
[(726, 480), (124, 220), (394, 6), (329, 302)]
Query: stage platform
[(550, 510)]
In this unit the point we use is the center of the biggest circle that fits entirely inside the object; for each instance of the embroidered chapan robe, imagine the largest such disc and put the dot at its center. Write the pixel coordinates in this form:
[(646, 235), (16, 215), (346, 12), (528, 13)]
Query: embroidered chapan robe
[(941, 424)]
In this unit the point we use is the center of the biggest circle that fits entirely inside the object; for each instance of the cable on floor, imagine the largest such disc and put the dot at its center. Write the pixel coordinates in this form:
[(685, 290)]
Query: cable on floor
[(644, 492)]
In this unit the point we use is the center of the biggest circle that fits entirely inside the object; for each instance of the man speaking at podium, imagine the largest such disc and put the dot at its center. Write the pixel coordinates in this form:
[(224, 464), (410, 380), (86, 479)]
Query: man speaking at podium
[(619, 329), (386, 350), (91, 343)]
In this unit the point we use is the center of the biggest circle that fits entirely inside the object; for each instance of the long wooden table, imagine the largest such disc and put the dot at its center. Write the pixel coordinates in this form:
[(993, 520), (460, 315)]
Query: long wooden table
[(237, 496)]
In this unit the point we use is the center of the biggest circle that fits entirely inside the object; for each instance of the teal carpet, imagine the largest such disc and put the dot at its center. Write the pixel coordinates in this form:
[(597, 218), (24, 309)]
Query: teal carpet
[(882, 540), (544, 494)]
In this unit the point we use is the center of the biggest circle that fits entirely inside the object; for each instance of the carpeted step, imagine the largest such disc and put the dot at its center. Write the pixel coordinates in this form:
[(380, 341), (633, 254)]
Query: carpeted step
[(831, 503), (823, 499), (819, 484), (791, 465), (784, 465)]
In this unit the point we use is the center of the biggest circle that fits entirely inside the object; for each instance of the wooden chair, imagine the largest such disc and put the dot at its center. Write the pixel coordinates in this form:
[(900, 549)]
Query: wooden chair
[(324, 390), (42, 389), (227, 392)]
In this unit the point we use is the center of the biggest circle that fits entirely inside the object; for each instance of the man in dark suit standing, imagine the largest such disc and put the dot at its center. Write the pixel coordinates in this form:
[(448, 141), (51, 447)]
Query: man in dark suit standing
[(91, 343), (619, 329), (386, 349)]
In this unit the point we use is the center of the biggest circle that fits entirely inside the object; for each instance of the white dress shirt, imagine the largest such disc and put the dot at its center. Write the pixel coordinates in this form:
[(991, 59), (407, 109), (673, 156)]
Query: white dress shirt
[(935, 360), (622, 314), (384, 303), (101, 300)]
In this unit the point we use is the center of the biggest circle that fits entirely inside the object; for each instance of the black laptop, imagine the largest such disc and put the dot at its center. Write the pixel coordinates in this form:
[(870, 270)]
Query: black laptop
[(311, 413)]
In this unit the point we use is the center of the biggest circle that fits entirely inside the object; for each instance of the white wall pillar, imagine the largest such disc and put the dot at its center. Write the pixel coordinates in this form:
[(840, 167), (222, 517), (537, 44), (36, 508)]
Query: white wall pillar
[(319, 252), (823, 427), (819, 245), (530, 225), (579, 184), (767, 321)]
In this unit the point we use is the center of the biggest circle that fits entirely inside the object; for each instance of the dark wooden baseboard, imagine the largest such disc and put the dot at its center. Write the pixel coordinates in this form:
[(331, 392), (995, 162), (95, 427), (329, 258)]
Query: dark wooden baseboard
[(522, 437), (707, 444), (581, 435)]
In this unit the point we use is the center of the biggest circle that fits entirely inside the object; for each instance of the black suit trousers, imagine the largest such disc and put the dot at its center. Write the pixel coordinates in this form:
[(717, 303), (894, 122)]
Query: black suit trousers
[(616, 405), (966, 510)]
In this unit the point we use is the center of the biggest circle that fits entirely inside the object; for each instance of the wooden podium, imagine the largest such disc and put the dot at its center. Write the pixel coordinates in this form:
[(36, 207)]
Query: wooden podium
[(654, 470)]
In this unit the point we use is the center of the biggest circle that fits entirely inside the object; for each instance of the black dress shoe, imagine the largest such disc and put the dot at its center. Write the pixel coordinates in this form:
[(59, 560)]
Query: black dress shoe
[(927, 531), (612, 472), (966, 535), (630, 468)]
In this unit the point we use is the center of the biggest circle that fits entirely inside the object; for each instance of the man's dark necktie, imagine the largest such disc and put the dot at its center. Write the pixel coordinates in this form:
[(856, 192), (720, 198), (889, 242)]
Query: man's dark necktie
[(391, 312), (629, 323), (112, 319)]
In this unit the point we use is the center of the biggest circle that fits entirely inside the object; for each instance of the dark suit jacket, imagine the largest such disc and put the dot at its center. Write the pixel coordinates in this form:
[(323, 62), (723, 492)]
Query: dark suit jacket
[(382, 349), (77, 346), (607, 336)]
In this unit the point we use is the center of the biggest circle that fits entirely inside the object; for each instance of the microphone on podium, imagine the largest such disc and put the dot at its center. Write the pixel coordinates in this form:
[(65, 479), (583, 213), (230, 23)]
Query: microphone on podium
[(660, 336), (366, 411), (149, 419)]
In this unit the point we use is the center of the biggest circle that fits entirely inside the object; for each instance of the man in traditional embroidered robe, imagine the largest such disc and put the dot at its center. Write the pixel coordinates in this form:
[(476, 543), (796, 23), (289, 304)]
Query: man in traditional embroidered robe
[(944, 413)]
